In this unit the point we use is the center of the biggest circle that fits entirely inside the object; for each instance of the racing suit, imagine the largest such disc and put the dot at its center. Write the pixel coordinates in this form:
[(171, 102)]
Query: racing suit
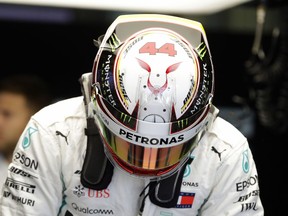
[(3, 170), (44, 176)]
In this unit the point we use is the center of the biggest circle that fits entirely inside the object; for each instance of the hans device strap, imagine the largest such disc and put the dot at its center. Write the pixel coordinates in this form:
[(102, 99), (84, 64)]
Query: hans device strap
[(165, 193), (97, 170)]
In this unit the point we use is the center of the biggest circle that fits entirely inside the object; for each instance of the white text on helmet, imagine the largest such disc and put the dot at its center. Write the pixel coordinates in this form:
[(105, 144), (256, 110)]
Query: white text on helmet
[(123, 91), (106, 83), (150, 141), (201, 99), (131, 44), (185, 48)]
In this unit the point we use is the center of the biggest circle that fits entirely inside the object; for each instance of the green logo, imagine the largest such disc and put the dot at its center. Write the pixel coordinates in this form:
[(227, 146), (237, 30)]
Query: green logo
[(187, 171), (26, 140), (114, 42), (245, 162), (201, 50)]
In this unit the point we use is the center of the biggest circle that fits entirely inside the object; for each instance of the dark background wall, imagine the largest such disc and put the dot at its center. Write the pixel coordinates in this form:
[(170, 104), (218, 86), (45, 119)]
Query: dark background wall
[(60, 49), (59, 53)]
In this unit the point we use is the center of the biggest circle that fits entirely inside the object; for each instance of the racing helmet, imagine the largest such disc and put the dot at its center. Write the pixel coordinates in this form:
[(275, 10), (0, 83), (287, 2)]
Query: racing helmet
[(152, 87)]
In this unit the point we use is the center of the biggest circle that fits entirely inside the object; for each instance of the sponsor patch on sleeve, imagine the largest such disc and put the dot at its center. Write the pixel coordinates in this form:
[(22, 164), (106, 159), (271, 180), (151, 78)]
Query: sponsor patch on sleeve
[(185, 200)]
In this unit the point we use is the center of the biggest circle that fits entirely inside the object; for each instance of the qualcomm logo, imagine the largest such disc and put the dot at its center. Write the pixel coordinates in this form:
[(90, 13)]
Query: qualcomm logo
[(26, 140)]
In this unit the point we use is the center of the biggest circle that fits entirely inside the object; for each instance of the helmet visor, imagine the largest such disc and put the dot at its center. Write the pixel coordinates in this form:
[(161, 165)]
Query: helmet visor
[(144, 161)]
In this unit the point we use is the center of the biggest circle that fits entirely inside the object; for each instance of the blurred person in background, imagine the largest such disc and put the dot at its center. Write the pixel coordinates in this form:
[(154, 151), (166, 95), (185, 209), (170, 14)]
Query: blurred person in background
[(21, 95)]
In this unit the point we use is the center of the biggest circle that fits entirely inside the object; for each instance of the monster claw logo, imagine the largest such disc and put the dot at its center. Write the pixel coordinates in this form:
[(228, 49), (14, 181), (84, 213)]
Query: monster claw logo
[(124, 118), (201, 50), (182, 123), (114, 42)]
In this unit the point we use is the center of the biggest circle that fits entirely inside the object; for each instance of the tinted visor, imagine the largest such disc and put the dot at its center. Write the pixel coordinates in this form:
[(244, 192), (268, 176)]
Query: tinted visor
[(145, 161)]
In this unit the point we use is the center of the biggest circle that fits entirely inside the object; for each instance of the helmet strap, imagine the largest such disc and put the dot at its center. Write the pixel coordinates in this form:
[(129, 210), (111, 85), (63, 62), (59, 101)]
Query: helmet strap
[(165, 193), (97, 171)]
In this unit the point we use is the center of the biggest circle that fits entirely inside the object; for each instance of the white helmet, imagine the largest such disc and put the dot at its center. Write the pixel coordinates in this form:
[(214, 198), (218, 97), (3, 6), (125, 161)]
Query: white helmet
[(152, 87)]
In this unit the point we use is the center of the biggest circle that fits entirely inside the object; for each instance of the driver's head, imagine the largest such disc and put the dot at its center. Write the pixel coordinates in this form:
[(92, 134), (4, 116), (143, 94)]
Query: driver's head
[(152, 88)]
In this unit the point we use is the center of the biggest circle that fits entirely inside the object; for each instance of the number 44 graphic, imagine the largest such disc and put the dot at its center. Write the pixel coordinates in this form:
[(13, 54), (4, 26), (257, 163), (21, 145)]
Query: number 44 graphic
[(150, 47)]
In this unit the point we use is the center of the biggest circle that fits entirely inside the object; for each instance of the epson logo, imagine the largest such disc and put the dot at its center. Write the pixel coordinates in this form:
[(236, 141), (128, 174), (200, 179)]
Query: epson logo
[(252, 180), (26, 161), (151, 141)]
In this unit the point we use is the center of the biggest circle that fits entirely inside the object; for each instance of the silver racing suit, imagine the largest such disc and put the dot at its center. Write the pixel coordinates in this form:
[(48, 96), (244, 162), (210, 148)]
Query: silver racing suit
[(44, 176)]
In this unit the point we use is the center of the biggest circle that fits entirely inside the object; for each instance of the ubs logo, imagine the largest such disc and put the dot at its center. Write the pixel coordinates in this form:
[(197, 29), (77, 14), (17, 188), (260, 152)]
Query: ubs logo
[(79, 191), (98, 194)]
